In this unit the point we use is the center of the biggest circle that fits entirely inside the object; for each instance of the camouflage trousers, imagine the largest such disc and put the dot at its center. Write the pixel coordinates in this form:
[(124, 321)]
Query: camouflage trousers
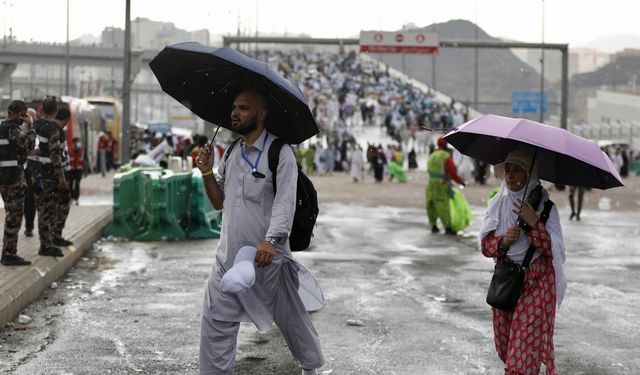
[(53, 206), (13, 197), (63, 206)]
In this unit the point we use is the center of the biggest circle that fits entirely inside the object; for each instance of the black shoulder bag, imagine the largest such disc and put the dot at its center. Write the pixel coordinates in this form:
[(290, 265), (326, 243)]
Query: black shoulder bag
[(508, 277)]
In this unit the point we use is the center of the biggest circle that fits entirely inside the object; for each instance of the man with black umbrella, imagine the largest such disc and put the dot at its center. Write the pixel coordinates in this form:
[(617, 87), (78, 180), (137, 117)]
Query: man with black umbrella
[(255, 217)]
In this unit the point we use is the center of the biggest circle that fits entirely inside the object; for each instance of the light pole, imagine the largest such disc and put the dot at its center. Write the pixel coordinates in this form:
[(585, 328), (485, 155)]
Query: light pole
[(4, 22), (542, 70), (475, 65), (66, 74), (126, 86)]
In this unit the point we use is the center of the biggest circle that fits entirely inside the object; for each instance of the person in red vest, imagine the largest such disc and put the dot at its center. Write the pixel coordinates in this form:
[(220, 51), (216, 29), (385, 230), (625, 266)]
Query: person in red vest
[(76, 159), (112, 145), (102, 153)]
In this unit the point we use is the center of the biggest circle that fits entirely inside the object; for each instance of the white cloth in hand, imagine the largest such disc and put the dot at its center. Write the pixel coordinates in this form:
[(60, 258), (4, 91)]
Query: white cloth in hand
[(242, 275)]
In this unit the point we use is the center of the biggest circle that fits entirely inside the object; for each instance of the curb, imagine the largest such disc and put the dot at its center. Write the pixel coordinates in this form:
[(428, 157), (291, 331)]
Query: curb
[(29, 285)]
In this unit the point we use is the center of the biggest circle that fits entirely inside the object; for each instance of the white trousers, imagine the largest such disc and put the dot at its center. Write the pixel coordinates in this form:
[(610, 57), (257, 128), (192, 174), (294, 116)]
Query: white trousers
[(218, 339)]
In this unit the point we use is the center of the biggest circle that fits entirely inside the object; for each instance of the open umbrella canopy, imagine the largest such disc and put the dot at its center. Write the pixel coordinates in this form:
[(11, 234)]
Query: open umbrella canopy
[(207, 80), (563, 157)]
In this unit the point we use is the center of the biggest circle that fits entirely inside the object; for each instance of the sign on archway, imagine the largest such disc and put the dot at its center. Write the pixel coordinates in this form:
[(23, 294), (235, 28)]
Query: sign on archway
[(399, 42)]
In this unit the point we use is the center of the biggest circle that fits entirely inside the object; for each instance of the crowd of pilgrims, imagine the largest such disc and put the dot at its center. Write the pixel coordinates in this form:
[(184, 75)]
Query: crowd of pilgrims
[(346, 91)]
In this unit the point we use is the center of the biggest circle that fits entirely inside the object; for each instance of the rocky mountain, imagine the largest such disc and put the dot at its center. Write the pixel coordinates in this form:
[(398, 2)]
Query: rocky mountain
[(615, 43), (85, 39)]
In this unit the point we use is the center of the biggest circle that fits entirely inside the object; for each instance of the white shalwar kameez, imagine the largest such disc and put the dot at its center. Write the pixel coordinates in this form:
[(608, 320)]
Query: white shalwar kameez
[(357, 164), (252, 213)]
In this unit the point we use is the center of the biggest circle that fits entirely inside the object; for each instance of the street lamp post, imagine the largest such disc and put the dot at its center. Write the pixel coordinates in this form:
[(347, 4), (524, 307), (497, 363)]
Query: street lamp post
[(66, 74), (475, 64), (542, 70), (126, 86)]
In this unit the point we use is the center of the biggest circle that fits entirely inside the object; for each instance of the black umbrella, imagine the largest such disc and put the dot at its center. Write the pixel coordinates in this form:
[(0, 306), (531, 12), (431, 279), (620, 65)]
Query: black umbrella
[(207, 80)]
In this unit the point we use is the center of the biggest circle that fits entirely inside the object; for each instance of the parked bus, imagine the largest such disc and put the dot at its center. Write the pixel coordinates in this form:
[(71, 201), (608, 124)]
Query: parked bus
[(111, 112)]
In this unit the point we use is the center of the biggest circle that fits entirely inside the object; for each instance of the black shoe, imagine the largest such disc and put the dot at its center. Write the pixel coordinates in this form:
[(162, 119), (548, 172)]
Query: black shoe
[(14, 260), (434, 229), (450, 231), (28, 232), (578, 217), (62, 242), (572, 216), (50, 252)]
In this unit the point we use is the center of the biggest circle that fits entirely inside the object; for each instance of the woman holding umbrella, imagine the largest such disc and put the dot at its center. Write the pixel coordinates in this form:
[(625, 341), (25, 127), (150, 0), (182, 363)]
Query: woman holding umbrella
[(524, 336)]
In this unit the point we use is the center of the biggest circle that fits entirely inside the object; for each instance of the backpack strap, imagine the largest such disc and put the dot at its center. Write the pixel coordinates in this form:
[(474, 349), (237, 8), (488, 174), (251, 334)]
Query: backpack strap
[(274, 159), (544, 216), (227, 152)]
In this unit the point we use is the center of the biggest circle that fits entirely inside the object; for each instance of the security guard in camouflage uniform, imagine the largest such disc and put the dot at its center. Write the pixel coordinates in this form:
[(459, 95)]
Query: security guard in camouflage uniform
[(63, 196), (15, 144), (50, 138)]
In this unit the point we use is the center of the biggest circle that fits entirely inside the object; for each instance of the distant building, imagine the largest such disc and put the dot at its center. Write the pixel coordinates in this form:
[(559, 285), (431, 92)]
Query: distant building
[(627, 52), (614, 117), (613, 107), (581, 60), (112, 37), (585, 60), (154, 35)]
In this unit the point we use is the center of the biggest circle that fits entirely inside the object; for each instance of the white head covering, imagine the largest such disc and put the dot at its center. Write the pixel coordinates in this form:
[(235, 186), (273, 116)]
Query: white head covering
[(242, 275), (522, 156), (499, 217)]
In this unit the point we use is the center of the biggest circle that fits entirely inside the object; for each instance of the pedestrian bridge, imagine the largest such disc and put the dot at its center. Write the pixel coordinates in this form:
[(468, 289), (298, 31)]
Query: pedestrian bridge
[(13, 53)]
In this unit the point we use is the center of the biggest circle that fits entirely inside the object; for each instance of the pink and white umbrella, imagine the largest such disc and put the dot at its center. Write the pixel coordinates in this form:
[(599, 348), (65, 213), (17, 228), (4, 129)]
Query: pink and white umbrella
[(563, 157)]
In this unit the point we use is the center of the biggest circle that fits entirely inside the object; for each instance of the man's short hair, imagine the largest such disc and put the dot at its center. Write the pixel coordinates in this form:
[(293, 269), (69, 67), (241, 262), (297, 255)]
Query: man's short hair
[(17, 106), (49, 105), (259, 97), (63, 114)]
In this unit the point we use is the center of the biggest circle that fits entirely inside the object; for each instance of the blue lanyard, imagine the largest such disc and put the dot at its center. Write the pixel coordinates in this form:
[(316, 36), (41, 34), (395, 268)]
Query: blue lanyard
[(246, 158)]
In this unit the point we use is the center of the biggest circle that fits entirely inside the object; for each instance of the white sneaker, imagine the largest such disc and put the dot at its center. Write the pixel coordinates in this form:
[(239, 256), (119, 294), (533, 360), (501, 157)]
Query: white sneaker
[(310, 372)]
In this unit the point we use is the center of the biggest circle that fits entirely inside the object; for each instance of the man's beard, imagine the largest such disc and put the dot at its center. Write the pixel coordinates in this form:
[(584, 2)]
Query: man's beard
[(247, 127)]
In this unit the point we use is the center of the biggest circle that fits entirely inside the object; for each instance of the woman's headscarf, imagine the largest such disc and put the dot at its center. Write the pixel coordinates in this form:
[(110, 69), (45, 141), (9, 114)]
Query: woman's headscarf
[(499, 217)]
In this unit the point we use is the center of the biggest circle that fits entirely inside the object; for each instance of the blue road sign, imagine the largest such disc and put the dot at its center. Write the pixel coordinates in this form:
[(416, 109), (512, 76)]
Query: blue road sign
[(528, 102)]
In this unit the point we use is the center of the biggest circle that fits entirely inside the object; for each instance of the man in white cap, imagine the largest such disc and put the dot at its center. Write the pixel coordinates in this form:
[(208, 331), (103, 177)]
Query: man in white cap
[(255, 217)]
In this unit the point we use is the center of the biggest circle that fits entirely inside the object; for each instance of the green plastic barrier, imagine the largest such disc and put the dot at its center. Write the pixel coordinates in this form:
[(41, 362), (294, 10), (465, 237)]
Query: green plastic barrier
[(205, 220), (634, 166), (167, 204), (156, 204), (128, 204)]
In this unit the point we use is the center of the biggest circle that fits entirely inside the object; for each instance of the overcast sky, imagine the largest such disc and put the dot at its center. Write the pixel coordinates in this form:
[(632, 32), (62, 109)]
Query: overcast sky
[(565, 21)]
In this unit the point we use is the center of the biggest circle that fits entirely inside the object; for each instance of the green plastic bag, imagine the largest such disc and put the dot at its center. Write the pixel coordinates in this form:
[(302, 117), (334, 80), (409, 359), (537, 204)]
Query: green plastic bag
[(397, 171), (460, 212), (492, 194)]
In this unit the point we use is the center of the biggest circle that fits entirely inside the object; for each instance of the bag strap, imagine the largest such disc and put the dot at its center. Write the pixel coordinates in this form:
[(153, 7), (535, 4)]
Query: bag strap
[(544, 216), (274, 159), (227, 152)]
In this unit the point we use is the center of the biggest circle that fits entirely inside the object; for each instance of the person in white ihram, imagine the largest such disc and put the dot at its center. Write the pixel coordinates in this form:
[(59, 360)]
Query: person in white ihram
[(255, 278)]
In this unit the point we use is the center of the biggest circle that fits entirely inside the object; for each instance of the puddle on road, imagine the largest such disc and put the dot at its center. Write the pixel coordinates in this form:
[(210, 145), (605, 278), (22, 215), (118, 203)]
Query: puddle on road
[(400, 261), (114, 265), (166, 306)]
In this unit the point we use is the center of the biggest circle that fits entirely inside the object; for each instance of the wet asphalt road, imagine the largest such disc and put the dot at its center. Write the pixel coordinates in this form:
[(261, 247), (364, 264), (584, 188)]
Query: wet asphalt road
[(416, 299)]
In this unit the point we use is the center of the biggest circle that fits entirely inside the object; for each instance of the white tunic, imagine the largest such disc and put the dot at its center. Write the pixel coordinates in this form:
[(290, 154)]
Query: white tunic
[(251, 213)]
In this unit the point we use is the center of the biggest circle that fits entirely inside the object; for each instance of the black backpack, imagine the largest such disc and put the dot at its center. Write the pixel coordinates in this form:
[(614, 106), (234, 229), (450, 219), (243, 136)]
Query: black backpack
[(306, 214)]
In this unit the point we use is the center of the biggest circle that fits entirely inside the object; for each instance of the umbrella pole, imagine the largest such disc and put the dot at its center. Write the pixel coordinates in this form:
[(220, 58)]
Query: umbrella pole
[(533, 162), (214, 136)]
